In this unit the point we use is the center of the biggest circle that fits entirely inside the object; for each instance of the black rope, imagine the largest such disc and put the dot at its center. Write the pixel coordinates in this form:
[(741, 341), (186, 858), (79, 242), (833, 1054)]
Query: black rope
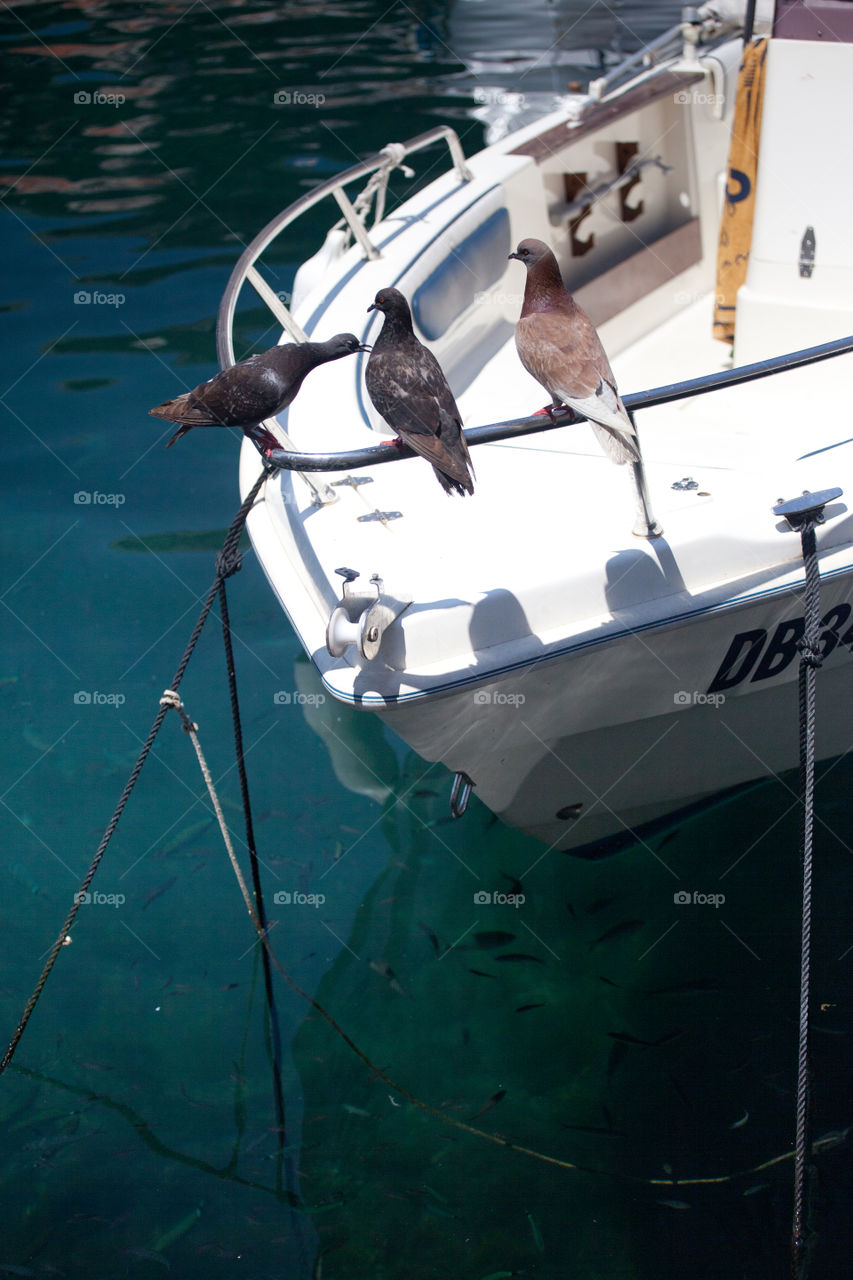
[(232, 540), (233, 566), (810, 660)]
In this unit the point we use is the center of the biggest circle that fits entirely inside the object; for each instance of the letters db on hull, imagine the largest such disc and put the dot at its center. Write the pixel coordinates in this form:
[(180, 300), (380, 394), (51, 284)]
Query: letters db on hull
[(758, 654)]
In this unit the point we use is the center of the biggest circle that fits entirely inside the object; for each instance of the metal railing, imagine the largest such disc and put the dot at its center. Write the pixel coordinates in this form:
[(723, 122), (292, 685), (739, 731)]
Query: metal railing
[(389, 158), (373, 455), (355, 217)]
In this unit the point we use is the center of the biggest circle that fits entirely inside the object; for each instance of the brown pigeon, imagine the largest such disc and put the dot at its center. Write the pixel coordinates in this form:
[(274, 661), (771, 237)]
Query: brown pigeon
[(557, 344), (254, 389), (407, 386)]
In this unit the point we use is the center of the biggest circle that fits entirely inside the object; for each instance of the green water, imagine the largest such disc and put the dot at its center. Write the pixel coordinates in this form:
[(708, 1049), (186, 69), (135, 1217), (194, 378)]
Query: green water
[(138, 1122)]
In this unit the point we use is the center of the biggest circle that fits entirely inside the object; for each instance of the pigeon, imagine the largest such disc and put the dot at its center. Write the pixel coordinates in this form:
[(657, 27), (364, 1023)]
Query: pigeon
[(557, 344), (408, 387), (257, 388)]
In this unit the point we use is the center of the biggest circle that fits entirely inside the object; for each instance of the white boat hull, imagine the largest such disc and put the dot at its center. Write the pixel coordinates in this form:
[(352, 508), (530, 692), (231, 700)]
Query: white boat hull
[(578, 748), (586, 680)]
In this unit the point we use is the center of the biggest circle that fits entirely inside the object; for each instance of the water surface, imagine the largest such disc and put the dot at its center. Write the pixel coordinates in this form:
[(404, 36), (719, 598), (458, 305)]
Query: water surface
[(143, 146)]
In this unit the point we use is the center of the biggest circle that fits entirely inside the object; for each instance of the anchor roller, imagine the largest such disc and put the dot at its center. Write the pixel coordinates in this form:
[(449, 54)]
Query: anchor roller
[(360, 618)]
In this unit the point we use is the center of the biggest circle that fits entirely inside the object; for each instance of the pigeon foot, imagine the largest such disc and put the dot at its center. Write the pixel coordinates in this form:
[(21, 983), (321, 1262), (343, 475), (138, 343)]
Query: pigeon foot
[(552, 409)]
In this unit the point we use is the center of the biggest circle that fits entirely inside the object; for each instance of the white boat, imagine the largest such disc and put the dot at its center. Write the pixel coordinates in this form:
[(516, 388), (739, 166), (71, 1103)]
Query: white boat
[(589, 670)]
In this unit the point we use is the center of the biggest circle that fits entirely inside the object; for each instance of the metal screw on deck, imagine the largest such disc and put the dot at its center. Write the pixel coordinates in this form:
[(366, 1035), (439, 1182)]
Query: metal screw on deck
[(803, 514)]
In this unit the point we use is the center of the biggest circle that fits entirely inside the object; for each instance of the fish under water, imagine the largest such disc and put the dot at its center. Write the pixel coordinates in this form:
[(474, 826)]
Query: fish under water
[(385, 971), (600, 903), (490, 938), (622, 930), (626, 1038), (492, 1102), (432, 937), (520, 957), (186, 836)]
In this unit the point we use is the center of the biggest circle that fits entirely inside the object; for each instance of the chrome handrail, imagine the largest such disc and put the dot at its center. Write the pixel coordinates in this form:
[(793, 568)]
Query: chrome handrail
[(373, 455), (244, 268), (388, 159), (669, 41)]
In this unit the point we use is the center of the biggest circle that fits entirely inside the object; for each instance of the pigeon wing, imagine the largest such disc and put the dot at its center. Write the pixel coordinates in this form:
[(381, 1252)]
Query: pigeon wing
[(240, 396), (408, 387), (563, 352)]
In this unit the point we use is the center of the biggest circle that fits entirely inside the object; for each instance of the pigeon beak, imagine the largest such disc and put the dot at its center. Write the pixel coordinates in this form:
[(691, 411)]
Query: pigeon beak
[(372, 307), (513, 255), (362, 346)]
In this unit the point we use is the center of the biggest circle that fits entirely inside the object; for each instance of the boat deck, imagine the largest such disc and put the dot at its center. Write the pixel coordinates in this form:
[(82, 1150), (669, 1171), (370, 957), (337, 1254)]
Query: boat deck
[(474, 560)]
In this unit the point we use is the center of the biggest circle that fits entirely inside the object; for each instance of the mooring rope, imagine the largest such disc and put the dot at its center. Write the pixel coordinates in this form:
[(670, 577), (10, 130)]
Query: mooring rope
[(229, 546), (274, 1028), (810, 660), (171, 699)]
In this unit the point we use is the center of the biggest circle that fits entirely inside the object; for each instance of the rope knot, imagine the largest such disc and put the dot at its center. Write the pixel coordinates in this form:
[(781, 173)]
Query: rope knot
[(228, 561), (171, 699), (395, 152), (810, 654)]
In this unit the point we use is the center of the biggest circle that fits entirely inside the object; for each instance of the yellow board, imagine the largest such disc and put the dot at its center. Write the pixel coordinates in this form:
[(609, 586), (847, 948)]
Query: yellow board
[(739, 205)]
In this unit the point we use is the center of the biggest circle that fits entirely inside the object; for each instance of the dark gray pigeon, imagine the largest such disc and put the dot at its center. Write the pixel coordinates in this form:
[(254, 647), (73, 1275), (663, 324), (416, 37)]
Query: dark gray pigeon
[(557, 344), (407, 386), (254, 389)]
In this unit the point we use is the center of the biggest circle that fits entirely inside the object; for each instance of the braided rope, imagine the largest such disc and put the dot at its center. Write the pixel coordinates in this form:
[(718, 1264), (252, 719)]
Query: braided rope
[(810, 660), (229, 546)]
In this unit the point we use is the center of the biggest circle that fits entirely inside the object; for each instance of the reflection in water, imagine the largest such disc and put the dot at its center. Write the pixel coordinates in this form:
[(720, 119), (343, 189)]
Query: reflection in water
[(596, 1022)]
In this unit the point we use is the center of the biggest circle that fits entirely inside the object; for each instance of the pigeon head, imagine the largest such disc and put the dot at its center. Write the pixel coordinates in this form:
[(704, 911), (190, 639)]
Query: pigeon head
[(392, 304), (531, 252), (344, 344), (543, 288)]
